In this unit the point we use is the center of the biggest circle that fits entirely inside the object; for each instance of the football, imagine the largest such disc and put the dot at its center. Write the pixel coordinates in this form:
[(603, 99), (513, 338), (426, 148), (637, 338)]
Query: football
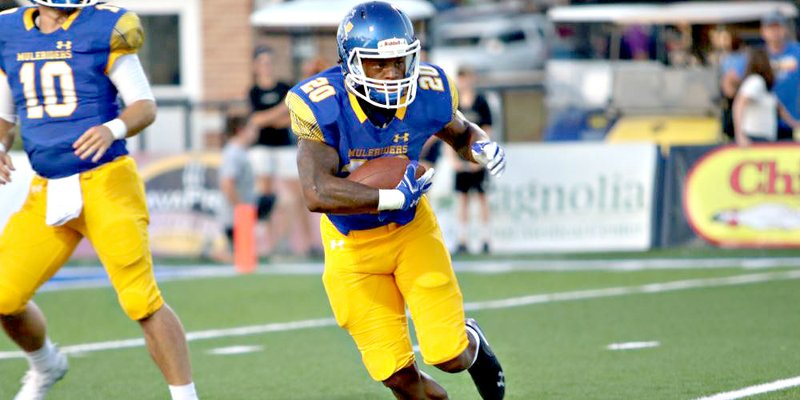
[(383, 172)]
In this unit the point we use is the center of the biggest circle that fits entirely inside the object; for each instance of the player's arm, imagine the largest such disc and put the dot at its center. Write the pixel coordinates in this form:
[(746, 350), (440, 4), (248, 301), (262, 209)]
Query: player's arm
[(317, 164), (740, 102), (8, 118), (227, 183), (470, 141), (126, 73), (729, 83), (461, 134), (473, 144), (228, 187)]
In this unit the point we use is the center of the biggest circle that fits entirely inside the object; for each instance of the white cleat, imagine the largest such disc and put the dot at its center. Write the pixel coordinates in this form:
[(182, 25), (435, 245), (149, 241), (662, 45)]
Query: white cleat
[(35, 384)]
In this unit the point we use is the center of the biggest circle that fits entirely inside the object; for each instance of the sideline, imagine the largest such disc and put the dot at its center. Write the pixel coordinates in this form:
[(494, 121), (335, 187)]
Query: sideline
[(72, 278)]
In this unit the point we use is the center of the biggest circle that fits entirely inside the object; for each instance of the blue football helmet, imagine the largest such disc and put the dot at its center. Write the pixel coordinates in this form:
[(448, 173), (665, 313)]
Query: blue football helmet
[(378, 30), (66, 3)]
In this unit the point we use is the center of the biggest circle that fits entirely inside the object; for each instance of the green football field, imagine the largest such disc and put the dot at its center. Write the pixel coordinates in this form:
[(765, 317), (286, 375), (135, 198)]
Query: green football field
[(710, 331)]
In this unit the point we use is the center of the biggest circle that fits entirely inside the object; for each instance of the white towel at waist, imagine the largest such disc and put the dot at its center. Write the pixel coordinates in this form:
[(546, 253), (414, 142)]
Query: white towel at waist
[(64, 200)]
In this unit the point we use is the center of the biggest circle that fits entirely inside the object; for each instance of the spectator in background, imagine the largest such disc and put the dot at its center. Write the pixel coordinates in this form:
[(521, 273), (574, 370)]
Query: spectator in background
[(294, 213), (754, 108), (682, 51), (271, 118), (785, 59), (313, 66), (236, 178), (637, 43), (273, 156), (470, 176), (732, 59)]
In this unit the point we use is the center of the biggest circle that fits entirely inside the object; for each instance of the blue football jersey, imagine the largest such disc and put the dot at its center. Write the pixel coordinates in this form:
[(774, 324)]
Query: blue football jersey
[(59, 81), (322, 109)]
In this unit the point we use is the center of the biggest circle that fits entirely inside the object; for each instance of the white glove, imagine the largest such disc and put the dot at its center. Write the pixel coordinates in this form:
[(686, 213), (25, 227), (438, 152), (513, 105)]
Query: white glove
[(490, 155)]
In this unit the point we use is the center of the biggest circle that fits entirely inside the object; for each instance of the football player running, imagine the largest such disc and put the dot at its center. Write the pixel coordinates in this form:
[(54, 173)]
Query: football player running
[(62, 65), (383, 248)]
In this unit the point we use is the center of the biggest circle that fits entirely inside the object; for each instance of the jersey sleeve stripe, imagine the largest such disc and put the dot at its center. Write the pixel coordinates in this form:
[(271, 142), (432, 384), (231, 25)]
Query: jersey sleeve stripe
[(453, 94), (304, 123)]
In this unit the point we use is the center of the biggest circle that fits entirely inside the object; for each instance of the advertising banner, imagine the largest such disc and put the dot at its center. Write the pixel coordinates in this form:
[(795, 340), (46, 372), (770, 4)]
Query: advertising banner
[(673, 226), (746, 197), (553, 197), (182, 196), (574, 197)]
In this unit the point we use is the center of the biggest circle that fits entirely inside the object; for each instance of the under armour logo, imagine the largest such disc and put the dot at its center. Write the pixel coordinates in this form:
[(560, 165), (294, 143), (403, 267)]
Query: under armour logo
[(337, 244), (398, 137), (64, 45), (501, 381)]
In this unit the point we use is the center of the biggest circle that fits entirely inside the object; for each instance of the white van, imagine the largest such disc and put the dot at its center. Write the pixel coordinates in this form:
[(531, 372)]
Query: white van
[(491, 43)]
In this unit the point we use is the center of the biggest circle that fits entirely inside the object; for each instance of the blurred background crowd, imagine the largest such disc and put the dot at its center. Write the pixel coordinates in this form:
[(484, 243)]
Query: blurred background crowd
[(683, 76)]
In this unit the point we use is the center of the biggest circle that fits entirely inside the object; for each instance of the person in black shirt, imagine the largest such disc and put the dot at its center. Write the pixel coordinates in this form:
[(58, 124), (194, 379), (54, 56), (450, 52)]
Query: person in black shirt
[(469, 176), (272, 155), (271, 118), (274, 162)]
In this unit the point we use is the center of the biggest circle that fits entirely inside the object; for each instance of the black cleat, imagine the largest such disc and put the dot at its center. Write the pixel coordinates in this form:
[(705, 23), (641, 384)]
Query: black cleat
[(486, 372)]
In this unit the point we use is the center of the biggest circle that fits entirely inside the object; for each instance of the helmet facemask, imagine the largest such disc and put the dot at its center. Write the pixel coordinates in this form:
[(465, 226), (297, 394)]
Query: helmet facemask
[(384, 93), (69, 4)]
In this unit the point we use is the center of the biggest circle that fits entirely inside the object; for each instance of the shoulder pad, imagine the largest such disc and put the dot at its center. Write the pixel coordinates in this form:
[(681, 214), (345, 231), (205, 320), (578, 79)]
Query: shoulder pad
[(304, 122), (323, 96), (128, 35), (437, 87)]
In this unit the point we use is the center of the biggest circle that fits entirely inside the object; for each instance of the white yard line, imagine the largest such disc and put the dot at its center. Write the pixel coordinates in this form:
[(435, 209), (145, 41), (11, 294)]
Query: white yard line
[(190, 336), (625, 290), (754, 390), (472, 306), (633, 345), (234, 350)]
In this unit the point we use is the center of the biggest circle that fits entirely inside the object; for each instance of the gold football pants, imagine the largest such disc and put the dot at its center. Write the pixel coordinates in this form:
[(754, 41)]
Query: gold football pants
[(114, 220), (371, 275)]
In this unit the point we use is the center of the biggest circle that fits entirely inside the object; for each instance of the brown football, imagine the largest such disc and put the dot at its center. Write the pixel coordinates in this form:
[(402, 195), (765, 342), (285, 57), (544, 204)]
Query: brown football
[(383, 172)]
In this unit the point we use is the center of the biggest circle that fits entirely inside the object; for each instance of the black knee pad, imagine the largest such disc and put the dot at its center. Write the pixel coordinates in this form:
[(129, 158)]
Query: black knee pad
[(265, 205)]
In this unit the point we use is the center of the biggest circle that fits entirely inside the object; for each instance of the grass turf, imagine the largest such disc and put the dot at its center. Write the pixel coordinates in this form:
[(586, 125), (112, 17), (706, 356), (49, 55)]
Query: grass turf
[(712, 339)]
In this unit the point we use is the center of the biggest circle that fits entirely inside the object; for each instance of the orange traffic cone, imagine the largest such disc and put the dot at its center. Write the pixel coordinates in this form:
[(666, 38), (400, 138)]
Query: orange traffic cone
[(244, 240)]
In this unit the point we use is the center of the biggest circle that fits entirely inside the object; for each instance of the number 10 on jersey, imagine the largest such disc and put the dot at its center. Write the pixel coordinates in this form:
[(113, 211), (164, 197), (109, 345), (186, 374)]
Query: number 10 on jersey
[(47, 75)]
